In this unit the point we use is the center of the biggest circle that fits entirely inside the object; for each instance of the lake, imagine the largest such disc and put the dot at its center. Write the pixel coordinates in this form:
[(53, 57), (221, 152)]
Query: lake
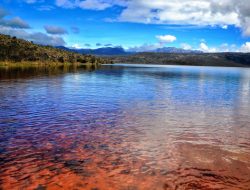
[(125, 127)]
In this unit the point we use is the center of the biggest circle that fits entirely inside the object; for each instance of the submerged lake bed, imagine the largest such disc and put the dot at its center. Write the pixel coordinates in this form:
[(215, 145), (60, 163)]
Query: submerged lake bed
[(125, 127)]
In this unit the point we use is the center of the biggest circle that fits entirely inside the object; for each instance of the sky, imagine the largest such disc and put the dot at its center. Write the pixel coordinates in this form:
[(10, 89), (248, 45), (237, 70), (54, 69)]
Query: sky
[(136, 25)]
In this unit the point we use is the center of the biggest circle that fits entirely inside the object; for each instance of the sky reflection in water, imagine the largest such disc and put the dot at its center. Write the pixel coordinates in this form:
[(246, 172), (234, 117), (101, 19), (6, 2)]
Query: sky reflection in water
[(127, 127)]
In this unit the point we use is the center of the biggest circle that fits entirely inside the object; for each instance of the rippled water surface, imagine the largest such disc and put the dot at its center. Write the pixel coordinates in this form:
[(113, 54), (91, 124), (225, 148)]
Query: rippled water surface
[(126, 127)]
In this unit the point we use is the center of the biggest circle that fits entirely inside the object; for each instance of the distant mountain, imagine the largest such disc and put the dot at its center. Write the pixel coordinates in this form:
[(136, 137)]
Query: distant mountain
[(110, 51), (174, 50), (100, 51)]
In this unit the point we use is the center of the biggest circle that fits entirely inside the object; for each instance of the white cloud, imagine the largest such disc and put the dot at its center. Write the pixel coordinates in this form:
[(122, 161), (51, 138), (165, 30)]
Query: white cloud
[(246, 26), (181, 12), (37, 37), (146, 47), (193, 12), (245, 47), (93, 4), (90, 4), (224, 48), (186, 46), (225, 27), (16, 27), (76, 46), (162, 41), (33, 1), (228, 48), (65, 3), (55, 30), (241, 8), (166, 38), (15, 22), (204, 47)]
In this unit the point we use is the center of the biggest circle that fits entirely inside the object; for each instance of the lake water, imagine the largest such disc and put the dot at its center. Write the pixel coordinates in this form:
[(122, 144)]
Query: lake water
[(125, 127)]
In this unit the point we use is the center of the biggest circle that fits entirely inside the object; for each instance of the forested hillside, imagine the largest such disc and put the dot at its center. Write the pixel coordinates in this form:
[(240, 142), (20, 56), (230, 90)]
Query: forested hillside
[(17, 50), (202, 59)]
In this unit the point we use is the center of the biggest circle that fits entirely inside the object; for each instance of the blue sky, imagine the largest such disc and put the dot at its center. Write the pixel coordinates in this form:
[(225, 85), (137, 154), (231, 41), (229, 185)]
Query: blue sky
[(138, 25)]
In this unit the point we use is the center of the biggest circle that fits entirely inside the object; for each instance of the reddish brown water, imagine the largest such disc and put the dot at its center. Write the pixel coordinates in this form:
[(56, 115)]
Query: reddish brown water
[(127, 128)]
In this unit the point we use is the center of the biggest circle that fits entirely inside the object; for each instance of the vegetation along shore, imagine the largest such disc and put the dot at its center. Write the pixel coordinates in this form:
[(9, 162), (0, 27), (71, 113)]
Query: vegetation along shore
[(21, 53), (18, 52)]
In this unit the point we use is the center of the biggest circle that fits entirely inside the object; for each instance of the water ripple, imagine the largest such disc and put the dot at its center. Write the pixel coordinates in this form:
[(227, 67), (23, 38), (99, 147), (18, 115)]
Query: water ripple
[(127, 128)]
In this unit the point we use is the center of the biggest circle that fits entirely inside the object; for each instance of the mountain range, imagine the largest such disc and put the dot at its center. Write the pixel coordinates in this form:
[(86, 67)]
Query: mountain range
[(111, 51)]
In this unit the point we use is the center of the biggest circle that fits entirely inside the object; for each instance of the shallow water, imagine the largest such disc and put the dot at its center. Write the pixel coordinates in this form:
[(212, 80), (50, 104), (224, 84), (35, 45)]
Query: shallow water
[(126, 127)]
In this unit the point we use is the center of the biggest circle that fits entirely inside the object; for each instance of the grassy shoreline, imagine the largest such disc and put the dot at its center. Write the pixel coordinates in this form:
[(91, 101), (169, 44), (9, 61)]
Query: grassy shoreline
[(10, 70), (44, 64)]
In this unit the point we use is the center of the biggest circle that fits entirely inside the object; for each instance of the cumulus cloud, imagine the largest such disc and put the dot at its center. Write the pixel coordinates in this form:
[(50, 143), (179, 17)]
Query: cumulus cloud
[(76, 46), (179, 12), (186, 46), (228, 48), (225, 27), (17, 23), (75, 29), (224, 47), (55, 30), (65, 3), (145, 47), (204, 47), (89, 4), (16, 27), (192, 12), (93, 4), (166, 38), (240, 8), (162, 41), (245, 47), (36, 37)]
